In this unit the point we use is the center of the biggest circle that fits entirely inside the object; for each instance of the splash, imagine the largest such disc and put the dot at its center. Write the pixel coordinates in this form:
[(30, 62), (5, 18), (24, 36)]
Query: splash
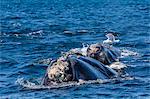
[(30, 85)]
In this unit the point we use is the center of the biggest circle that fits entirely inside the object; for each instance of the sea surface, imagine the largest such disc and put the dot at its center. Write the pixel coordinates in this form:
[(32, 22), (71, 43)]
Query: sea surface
[(33, 30)]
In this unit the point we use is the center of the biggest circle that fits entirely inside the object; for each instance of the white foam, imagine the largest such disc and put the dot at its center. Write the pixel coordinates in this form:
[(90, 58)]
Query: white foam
[(125, 53), (117, 65), (83, 50), (30, 85), (36, 32)]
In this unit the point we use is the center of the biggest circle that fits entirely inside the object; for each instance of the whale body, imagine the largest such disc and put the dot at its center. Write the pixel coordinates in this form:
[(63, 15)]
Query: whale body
[(84, 68)]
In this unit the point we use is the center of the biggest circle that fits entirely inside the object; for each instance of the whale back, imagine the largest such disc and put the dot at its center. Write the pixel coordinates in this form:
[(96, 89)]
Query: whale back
[(88, 71), (107, 71), (91, 71)]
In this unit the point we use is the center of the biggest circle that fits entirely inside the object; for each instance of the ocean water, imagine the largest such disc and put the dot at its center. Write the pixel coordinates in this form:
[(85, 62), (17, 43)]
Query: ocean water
[(32, 30)]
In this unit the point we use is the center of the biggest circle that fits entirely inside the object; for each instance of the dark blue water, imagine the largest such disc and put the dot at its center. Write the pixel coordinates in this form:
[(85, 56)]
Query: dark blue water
[(32, 30)]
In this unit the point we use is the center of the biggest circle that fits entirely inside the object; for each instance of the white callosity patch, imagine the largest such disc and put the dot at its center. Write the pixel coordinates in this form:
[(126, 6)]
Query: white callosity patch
[(57, 70)]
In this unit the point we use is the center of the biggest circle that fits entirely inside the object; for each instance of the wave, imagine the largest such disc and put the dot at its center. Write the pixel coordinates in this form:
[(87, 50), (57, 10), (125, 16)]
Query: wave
[(37, 33)]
